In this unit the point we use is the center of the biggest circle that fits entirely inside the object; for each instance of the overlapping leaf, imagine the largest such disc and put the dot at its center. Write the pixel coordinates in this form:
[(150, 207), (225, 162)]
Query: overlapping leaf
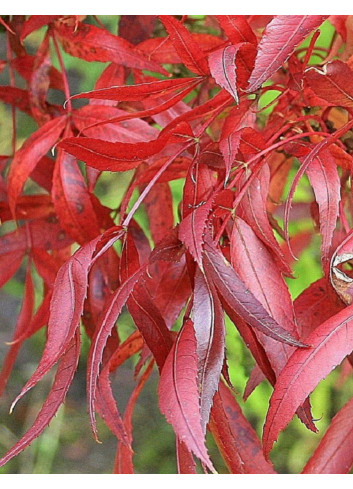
[(281, 37), (329, 344)]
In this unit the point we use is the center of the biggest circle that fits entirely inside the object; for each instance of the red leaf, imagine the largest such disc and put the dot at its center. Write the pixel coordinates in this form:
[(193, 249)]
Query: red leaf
[(157, 108), (35, 22), (257, 269), (185, 461), (24, 65), (223, 69), (159, 209), (324, 178), (178, 393), (235, 437), (208, 319), (315, 305), (94, 44), (27, 157), (197, 204), (56, 397), (106, 404), (229, 146), (67, 304), (140, 91), (107, 156), (334, 455), (17, 97), (170, 288), (239, 298), (192, 229), (189, 51), (142, 308), (39, 83), (282, 35), (128, 131), (253, 209), (109, 316), (330, 343), (72, 201), (136, 28), (237, 28), (332, 83)]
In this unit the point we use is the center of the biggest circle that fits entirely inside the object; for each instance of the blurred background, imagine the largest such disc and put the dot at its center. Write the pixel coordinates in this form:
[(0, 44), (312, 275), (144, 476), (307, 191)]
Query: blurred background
[(67, 445)]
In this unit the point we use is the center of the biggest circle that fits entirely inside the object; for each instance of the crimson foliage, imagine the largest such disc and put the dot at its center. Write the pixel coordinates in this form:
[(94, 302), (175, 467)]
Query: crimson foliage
[(174, 103)]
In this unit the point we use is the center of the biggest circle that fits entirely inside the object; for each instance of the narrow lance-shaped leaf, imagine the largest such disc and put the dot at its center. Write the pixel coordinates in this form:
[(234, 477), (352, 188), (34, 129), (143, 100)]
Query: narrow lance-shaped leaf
[(189, 51), (282, 35), (109, 317), (40, 82), (91, 43), (66, 305), (324, 178), (253, 209), (207, 315), (143, 309), (223, 69), (239, 298), (106, 404), (178, 393), (137, 92), (26, 158), (157, 108), (237, 28), (108, 156), (197, 203), (229, 146), (256, 267), (185, 461), (72, 201), (329, 344)]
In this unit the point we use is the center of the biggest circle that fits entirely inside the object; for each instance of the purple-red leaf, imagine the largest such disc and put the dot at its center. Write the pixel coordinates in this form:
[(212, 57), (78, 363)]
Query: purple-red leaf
[(109, 316), (178, 393), (256, 267), (208, 318), (239, 298), (329, 344), (67, 304)]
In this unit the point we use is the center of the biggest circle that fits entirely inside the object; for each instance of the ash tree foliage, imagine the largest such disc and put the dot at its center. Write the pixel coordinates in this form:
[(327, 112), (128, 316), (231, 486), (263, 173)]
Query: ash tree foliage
[(177, 103)]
